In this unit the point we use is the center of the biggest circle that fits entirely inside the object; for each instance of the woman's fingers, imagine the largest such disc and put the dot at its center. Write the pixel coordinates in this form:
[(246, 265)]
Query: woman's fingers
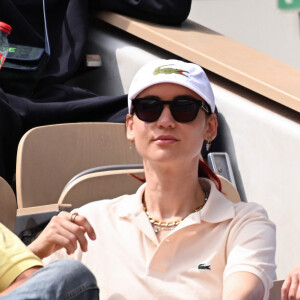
[(82, 221), (285, 288), (53, 238), (63, 231), (290, 289), (294, 288), (66, 238), (79, 225), (67, 243), (76, 233)]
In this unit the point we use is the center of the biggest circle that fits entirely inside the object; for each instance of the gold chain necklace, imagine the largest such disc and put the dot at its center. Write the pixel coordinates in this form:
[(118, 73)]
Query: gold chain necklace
[(160, 225)]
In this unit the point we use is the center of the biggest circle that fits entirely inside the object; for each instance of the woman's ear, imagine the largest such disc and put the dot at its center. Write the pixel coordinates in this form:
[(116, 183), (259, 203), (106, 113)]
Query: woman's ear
[(129, 128), (211, 127)]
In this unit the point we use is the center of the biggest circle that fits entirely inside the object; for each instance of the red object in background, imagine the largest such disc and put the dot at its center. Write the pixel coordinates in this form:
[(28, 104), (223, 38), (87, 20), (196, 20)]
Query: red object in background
[(5, 30)]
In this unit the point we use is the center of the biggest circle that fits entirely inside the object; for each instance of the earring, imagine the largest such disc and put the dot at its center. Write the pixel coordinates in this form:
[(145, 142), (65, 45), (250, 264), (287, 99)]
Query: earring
[(131, 145), (208, 145)]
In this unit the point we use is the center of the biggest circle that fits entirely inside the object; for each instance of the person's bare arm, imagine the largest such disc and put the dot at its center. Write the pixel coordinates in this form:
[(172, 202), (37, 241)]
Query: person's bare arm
[(23, 277), (243, 286)]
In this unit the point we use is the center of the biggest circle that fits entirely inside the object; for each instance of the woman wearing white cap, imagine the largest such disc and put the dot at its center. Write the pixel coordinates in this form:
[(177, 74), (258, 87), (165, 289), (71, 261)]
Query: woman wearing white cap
[(178, 237)]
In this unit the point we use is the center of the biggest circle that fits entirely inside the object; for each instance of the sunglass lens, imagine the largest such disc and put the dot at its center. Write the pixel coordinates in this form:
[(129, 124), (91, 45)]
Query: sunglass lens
[(184, 110), (148, 110)]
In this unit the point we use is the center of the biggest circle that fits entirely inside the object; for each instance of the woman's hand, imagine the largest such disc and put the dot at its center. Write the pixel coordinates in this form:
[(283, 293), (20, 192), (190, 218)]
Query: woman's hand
[(63, 231), (291, 287)]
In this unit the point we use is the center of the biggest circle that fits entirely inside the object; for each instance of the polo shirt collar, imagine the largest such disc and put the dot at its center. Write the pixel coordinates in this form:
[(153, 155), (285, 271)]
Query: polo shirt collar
[(132, 205), (218, 208), (132, 208)]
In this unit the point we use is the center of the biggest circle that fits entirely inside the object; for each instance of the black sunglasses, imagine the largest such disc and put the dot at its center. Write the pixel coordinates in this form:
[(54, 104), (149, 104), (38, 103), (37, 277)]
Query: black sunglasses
[(183, 109)]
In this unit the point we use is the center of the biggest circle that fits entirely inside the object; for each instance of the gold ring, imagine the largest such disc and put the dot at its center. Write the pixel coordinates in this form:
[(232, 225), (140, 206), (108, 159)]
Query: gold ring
[(73, 217)]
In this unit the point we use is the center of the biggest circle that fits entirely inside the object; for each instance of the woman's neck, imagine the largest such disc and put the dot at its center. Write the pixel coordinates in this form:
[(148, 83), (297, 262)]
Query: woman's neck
[(171, 194)]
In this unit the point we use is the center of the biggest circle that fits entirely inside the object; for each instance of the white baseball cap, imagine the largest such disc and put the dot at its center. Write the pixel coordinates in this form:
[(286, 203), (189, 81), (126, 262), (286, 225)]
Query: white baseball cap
[(175, 71)]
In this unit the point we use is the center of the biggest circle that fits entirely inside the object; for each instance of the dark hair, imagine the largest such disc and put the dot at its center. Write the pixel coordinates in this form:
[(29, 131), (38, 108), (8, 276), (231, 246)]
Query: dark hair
[(205, 171)]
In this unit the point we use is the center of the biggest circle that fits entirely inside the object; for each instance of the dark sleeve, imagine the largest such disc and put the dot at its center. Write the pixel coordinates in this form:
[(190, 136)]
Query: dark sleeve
[(10, 134), (169, 12), (71, 109)]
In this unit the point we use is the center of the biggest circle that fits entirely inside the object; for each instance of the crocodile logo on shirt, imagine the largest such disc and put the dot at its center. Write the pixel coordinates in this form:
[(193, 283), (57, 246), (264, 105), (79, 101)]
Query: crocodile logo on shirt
[(204, 267), (162, 70)]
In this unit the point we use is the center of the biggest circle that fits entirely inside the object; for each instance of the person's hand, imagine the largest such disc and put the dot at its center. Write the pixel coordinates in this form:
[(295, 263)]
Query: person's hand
[(291, 287), (63, 231)]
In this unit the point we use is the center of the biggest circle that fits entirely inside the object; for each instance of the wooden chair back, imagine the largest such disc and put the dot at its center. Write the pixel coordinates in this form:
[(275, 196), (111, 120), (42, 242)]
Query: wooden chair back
[(49, 156), (100, 185), (275, 292), (8, 205), (109, 184)]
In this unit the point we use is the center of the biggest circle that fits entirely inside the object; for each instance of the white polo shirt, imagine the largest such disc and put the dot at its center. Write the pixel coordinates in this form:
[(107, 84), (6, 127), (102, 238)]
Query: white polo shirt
[(190, 263)]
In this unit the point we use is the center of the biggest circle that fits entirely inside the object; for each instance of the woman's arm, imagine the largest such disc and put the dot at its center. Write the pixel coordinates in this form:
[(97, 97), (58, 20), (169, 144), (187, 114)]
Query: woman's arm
[(243, 286), (250, 267)]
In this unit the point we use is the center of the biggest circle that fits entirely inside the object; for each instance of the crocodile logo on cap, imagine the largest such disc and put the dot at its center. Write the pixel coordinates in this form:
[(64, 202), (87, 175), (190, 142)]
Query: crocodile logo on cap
[(162, 70)]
